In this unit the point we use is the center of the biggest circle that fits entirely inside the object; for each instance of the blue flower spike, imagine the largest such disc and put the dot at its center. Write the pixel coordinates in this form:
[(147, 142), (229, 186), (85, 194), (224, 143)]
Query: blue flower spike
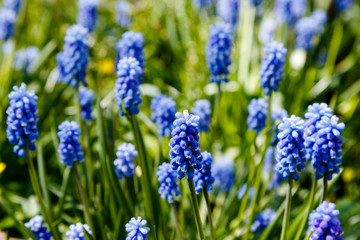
[(136, 229), (223, 171), (36, 226), (124, 163), (86, 100), (131, 44), (258, 109), (167, 178), (228, 11), (203, 177), (7, 23), (263, 220), (123, 18), (164, 109), (76, 231), (87, 13), (202, 108)]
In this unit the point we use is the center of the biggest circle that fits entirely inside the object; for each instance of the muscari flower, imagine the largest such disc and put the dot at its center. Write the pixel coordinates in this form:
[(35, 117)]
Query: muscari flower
[(7, 23), (203, 176), (86, 99), (272, 67), (258, 109), (263, 220), (164, 109), (342, 5), (228, 11), (127, 92), (124, 163), (86, 16), (131, 44), (73, 61), (123, 14), (288, 11), (136, 230), (76, 231), (36, 226), (21, 120), (218, 52), (185, 152), (324, 222), (202, 108), (224, 173), (12, 4), (168, 182), (267, 30), (24, 58), (290, 150), (69, 148)]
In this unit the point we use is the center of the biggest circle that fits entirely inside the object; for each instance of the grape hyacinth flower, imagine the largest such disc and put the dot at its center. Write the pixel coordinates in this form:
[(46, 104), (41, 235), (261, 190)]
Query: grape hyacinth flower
[(258, 109), (203, 176), (168, 182), (290, 150), (202, 108), (86, 16), (342, 5), (218, 52), (136, 229), (86, 99), (185, 152), (272, 67), (36, 226), (123, 14), (12, 4), (263, 220), (73, 61), (267, 30), (69, 148), (124, 163), (327, 149), (24, 57), (224, 173), (324, 222), (21, 120), (131, 44), (127, 92), (228, 11), (76, 231), (288, 11), (164, 109), (7, 23)]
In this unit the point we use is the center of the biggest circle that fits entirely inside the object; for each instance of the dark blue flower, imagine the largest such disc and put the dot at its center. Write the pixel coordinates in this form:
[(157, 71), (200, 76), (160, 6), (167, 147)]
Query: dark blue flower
[(86, 16), (86, 99), (290, 150), (24, 58), (127, 92), (258, 109), (69, 148), (123, 14), (168, 182), (288, 11), (203, 176), (267, 30), (36, 226), (224, 173), (164, 109), (12, 4), (272, 67), (124, 163), (131, 44), (136, 229), (73, 61), (218, 52), (263, 220), (202, 108), (76, 231), (185, 152), (324, 222), (22, 118), (228, 11), (342, 5), (7, 23)]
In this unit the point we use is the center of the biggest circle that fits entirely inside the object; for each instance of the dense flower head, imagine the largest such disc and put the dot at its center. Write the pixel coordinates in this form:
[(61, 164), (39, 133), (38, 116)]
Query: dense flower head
[(69, 148), (136, 229), (24, 57), (73, 61), (7, 23), (164, 109), (76, 231), (223, 170), (203, 176), (185, 152), (228, 11), (218, 52), (267, 30), (12, 4), (290, 150), (127, 92), (203, 4), (272, 66), (258, 109), (123, 14), (86, 99), (131, 44), (202, 108), (263, 220), (342, 5), (288, 11), (124, 162), (22, 118), (167, 178), (324, 222), (36, 226), (86, 16)]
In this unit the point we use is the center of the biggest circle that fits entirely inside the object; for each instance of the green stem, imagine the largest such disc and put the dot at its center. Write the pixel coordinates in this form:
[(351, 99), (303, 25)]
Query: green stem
[(64, 187), (43, 184), (195, 207), (287, 210), (89, 163), (177, 224), (207, 199), (325, 187), (216, 116)]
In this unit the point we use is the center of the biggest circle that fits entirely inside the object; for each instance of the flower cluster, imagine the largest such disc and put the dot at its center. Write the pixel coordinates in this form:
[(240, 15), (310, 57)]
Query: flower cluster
[(258, 109), (13, 4), (123, 14), (272, 67), (185, 152), (124, 163), (24, 57), (76, 231), (325, 223), (267, 30), (202, 108), (136, 230), (288, 11), (218, 52), (127, 92), (224, 173), (73, 61), (86, 99), (168, 182), (290, 156), (164, 109), (69, 148), (131, 44), (203, 176), (228, 11), (342, 5), (36, 226), (7, 23), (263, 220), (87, 13), (22, 118)]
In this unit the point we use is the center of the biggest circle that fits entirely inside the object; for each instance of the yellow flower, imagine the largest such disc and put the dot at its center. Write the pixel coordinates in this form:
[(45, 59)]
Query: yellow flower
[(348, 175), (106, 66), (2, 167)]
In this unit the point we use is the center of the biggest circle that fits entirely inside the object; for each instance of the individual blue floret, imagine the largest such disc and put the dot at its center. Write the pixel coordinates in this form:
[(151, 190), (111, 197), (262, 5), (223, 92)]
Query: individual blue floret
[(87, 13), (124, 162), (136, 229), (76, 231), (86, 99), (167, 178), (228, 11), (203, 177), (36, 226), (202, 108), (131, 44), (263, 220), (258, 109), (164, 109), (123, 18), (7, 23), (223, 170), (288, 11)]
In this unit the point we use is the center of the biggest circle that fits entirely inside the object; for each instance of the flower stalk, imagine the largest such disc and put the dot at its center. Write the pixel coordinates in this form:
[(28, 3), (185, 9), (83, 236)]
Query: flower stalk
[(286, 218), (177, 223), (207, 199), (195, 208)]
